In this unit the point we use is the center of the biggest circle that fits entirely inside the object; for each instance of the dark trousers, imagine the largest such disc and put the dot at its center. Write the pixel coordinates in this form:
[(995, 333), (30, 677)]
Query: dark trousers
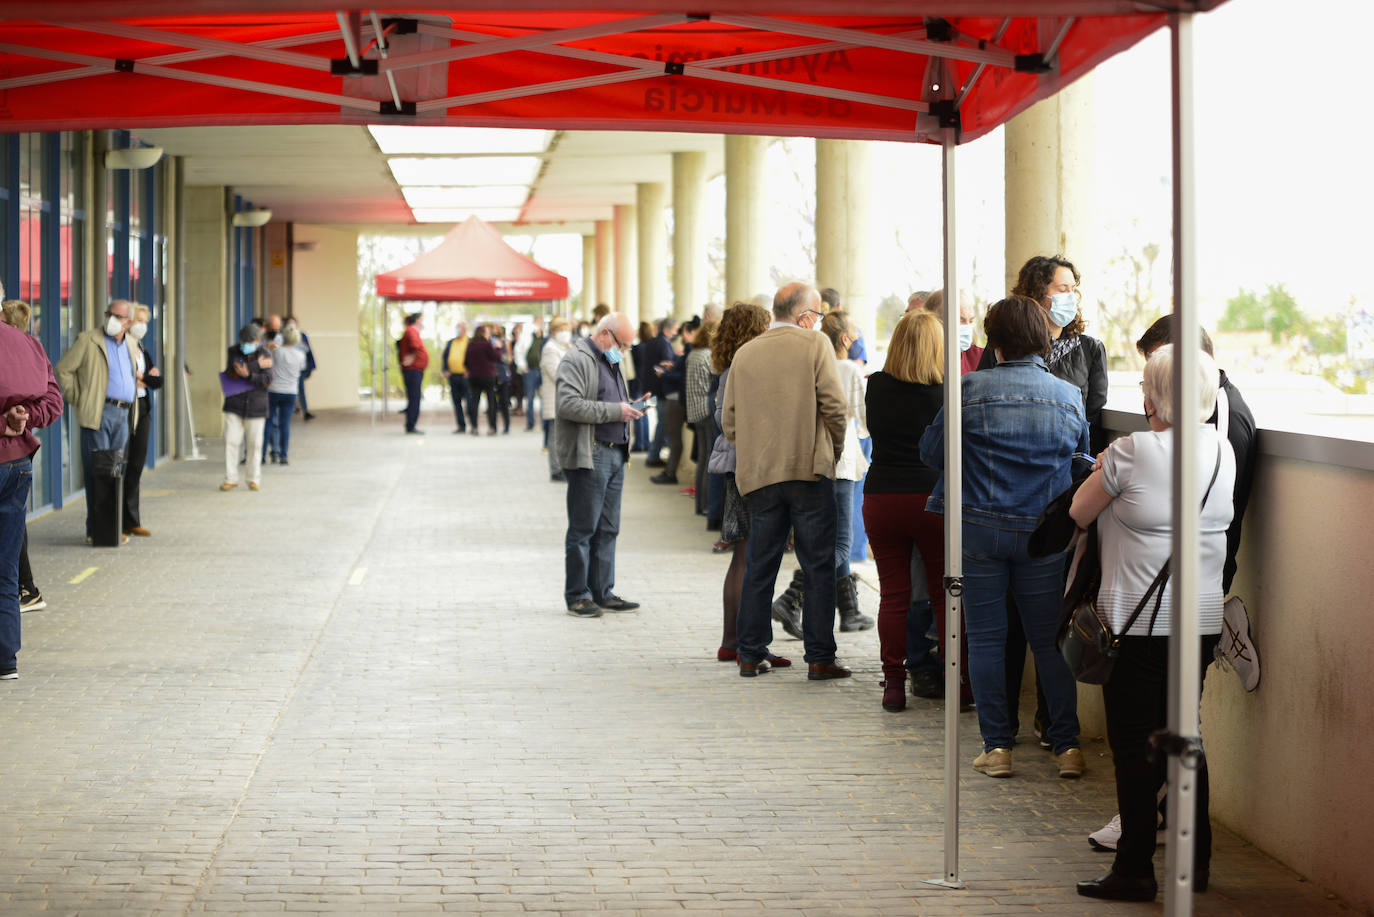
[(300, 395), (25, 571), (672, 415), (897, 524), (530, 379), (479, 388), (276, 434), (413, 379), (102, 512), (593, 525), (16, 478), (808, 509), (138, 456), (460, 393), (1136, 699), (702, 438)]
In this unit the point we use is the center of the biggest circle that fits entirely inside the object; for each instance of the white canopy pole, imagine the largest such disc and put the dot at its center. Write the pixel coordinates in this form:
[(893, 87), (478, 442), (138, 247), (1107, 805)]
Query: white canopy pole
[(1184, 672), (954, 520)]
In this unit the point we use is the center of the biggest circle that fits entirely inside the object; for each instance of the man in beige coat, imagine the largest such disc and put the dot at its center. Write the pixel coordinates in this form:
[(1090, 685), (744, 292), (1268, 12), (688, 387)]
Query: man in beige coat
[(785, 413)]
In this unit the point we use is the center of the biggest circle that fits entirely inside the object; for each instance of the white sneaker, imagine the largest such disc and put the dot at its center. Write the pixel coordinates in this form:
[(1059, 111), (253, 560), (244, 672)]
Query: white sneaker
[(1237, 649), (1108, 836)]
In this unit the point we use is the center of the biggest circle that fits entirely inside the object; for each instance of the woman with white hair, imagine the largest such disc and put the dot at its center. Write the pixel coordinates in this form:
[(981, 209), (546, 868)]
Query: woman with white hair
[(1129, 495)]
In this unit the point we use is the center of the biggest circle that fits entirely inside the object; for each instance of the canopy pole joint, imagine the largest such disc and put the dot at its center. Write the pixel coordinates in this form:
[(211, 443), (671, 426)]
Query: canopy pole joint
[(1187, 749), (1032, 63), (344, 67), (954, 585), (124, 65), (939, 29), (390, 108), (946, 111), (698, 17), (399, 26)]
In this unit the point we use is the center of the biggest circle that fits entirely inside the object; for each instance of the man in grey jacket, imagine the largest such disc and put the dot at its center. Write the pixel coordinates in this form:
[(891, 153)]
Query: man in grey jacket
[(593, 409)]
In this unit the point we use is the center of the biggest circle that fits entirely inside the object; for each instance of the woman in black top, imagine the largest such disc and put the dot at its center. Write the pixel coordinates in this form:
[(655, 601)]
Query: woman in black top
[(901, 402)]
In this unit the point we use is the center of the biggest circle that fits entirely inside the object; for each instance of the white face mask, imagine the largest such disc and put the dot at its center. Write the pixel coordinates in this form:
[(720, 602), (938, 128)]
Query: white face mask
[(137, 330), (965, 337), (114, 325), (563, 337)]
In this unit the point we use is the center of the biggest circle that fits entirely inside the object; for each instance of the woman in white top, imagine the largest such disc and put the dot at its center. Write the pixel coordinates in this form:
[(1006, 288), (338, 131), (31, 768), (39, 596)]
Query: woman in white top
[(149, 380), (560, 340), (1129, 495), (849, 469), (288, 362)]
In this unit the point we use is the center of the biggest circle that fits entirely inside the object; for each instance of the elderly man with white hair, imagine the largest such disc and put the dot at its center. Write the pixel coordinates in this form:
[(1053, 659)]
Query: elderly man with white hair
[(592, 438)]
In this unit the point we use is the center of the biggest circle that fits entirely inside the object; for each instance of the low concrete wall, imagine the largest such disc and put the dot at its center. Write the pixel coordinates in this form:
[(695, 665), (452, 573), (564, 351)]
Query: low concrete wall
[(1290, 762)]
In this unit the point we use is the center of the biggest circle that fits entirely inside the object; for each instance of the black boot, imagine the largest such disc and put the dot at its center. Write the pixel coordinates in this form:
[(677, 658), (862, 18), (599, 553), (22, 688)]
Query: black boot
[(847, 603), (788, 606)]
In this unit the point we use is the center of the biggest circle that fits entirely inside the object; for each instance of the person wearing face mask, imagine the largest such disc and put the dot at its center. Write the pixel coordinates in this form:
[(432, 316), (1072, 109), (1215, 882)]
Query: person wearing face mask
[(1021, 429), (245, 379), (98, 376), (592, 442), (970, 353), (148, 379), (555, 348)]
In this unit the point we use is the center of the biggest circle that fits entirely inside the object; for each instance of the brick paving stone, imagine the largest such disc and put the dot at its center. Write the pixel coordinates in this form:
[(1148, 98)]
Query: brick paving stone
[(357, 692)]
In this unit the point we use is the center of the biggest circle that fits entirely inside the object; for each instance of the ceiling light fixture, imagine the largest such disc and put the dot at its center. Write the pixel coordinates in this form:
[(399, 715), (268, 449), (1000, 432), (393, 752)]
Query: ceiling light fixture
[(252, 218), (143, 157)]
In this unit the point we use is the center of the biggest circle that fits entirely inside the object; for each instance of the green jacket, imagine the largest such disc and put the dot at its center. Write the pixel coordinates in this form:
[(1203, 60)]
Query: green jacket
[(84, 372)]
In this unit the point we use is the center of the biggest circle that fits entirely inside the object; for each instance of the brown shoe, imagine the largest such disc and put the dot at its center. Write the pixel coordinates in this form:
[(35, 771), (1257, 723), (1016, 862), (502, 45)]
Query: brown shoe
[(253, 485), (138, 530), (1071, 763), (994, 763), (227, 486), (752, 669), (820, 671)]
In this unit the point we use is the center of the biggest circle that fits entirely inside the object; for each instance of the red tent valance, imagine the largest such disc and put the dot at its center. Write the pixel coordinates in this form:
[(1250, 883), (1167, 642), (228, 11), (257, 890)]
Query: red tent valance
[(473, 264), (823, 68)]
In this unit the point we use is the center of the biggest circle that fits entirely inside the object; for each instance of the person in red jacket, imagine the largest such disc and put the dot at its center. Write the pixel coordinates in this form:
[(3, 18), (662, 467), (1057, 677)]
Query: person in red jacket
[(414, 359)]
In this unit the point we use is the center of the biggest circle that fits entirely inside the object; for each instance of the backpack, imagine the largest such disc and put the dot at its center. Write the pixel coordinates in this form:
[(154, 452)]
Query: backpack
[(536, 348)]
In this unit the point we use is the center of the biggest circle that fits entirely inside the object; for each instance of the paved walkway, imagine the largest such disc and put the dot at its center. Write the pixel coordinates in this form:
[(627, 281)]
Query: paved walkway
[(357, 691)]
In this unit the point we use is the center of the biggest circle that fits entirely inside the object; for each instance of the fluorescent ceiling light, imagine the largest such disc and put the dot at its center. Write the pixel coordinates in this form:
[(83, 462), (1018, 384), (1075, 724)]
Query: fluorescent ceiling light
[(452, 215), (438, 140), (472, 170), (487, 196)]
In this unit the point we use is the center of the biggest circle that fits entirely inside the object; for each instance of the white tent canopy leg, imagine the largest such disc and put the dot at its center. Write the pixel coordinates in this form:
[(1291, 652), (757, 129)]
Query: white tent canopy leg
[(1184, 672)]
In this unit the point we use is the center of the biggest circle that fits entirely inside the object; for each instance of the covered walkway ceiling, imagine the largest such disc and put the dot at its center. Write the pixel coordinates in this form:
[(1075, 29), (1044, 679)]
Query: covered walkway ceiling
[(336, 174)]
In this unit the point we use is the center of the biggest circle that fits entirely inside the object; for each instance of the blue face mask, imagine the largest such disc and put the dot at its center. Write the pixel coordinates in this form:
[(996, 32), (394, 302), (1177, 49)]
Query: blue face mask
[(248, 348), (1063, 308), (612, 355), (965, 337)]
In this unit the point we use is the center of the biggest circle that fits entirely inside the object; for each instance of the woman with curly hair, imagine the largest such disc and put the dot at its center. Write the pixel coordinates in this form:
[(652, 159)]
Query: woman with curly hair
[(741, 323)]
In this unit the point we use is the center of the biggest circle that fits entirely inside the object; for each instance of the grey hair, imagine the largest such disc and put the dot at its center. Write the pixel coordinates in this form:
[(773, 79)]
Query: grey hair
[(290, 336), (1159, 383)]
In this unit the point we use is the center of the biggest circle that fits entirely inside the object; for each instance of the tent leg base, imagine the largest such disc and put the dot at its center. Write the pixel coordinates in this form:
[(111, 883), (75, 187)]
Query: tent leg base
[(945, 883)]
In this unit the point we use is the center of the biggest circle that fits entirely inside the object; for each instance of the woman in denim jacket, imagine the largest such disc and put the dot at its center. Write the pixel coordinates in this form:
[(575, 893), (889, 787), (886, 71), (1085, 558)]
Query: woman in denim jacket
[(1021, 429)]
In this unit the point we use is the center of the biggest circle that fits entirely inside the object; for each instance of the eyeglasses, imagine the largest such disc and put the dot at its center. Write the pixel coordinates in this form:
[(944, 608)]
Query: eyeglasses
[(611, 332)]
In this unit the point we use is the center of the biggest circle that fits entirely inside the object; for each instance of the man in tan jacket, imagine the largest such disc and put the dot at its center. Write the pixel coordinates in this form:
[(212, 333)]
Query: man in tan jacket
[(785, 413)]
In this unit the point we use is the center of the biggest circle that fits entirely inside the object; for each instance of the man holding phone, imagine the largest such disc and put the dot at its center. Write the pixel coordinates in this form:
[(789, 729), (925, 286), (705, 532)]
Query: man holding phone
[(592, 439)]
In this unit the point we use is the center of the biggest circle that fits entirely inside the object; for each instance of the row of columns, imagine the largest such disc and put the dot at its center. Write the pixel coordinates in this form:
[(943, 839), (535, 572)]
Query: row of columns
[(1047, 211)]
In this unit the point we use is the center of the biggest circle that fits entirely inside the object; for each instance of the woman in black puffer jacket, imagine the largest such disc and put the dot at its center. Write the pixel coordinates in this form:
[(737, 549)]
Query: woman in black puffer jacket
[(1075, 357)]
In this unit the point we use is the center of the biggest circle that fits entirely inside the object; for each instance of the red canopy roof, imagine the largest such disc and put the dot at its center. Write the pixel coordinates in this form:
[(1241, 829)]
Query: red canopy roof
[(473, 264), (875, 69)]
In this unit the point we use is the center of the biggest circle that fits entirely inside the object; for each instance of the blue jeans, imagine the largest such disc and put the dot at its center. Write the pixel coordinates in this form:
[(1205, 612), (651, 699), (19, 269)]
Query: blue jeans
[(995, 560), (858, 545), (113, 433), (414, 379), (276, 436), (532, 378), (16, 478), (593, 524), (459, 392), (845, 524), (920, 622), (808, 509)]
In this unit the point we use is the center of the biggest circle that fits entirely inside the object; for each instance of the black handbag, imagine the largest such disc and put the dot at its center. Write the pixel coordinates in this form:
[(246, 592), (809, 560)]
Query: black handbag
[(1086, 641)]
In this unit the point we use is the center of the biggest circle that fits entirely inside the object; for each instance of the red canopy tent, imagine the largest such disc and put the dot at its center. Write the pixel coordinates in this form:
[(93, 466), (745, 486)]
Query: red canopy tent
[(936, 71), (870, 69), (473, 264)]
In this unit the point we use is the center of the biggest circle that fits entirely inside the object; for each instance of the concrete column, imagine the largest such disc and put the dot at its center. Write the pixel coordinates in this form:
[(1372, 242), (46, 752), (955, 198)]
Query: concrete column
[(589, 288), (324, 293), (627, 261), (844, 197), (651, 210), (206, 212), (746, 192), (605, 265), (276, 270), (689, 233), (1049, 166)]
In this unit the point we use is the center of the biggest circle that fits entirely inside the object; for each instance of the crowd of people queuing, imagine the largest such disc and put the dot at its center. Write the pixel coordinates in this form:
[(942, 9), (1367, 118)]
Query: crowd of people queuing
[(782, 420), (263, 383)]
